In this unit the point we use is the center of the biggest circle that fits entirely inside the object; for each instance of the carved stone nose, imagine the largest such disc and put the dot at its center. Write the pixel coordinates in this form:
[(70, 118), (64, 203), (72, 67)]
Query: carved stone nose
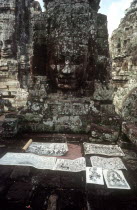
[(67, 68), (4, 46)]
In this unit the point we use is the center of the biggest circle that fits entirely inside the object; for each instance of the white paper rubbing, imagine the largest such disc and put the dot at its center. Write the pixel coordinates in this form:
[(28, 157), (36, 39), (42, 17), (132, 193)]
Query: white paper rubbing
[(76, 165), (26, 159), (94, 175), (115, 179), (107, 163), (49, 149), (101, 149)]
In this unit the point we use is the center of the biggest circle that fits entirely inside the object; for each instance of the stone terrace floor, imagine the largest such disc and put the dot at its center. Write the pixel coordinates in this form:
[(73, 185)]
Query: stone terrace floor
[(24, 187)]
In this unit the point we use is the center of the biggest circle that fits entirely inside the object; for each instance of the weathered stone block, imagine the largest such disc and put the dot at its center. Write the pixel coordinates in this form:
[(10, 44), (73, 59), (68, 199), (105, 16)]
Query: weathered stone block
[(10, 125), (103, 133), (131, 132)]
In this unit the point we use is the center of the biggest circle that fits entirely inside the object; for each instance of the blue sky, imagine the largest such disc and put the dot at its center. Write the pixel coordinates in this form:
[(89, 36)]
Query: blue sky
[(114, 9)]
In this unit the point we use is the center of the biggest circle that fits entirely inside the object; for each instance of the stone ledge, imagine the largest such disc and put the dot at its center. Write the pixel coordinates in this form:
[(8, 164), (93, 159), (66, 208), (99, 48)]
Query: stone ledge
[(131, 132), (104, 133)]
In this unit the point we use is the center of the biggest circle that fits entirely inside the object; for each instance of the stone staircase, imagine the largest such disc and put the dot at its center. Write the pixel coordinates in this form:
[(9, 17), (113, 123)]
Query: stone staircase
[(12, 96)]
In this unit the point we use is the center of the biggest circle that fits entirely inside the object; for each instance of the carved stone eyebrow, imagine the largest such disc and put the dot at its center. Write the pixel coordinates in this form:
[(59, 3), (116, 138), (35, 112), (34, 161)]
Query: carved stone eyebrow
[(8, 41)]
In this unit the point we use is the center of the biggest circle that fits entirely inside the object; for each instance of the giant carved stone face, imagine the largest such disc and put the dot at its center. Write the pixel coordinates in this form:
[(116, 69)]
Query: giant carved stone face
[(70, 48), (7, 44), (68, 68), (68, 42)]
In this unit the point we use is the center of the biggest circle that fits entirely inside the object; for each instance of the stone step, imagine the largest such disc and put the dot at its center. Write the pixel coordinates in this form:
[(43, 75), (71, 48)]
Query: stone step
[(8, 93), (12, 100), (3, 86), (6, 79), (12, 83), (130, 130)]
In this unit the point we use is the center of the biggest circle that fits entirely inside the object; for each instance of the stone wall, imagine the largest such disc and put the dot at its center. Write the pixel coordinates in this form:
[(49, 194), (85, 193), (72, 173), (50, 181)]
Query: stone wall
[(71, 28), (62, 68), (14, 53), (123, 46)]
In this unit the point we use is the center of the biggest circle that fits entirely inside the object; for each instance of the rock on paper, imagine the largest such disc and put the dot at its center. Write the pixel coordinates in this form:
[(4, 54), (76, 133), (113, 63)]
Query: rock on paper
[(101, 149), (23, 159), (115, 179), (107, 163), (94, 175), (76, 165), (49, 149)]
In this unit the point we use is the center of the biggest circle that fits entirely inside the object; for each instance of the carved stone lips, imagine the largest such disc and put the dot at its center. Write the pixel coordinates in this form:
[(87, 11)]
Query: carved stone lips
[(5, 53), (69, 83), (65, 80)]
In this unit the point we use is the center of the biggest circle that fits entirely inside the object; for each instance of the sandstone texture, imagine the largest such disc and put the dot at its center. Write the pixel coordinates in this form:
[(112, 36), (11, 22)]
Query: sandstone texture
[(123, 47), (56, 86), (55, 69), (14, 46)]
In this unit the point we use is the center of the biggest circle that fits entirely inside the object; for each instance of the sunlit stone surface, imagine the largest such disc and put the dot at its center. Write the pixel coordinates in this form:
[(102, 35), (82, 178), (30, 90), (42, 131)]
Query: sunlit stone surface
[(58, 65)]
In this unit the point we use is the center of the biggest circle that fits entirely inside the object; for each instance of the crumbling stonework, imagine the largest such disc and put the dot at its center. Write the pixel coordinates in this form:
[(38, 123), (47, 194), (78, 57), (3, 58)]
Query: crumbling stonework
[(124, 64), (63, 70), (130, 130), (70, 69), (72, 33), (14, 47), (58, 64)]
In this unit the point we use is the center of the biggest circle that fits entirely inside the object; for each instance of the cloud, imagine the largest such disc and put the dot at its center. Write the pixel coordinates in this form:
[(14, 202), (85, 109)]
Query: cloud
[(115, 12)]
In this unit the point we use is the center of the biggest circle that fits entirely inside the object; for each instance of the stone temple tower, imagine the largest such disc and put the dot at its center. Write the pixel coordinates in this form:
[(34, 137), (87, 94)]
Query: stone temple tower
[(67, 81)]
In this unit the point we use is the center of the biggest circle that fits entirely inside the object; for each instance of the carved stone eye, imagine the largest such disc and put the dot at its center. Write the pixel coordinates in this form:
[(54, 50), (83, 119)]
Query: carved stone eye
[(60, 59), (8, 42), (0, 43), (78, 60)]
